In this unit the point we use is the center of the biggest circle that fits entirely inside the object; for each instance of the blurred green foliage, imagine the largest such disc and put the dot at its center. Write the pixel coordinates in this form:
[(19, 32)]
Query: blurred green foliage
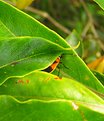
[(69, 13), (72, 15)]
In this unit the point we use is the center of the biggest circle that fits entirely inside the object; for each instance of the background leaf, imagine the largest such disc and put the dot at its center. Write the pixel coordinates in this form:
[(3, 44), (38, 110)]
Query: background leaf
[(23, 4), (100, 3), (100, 76), (73, 39)]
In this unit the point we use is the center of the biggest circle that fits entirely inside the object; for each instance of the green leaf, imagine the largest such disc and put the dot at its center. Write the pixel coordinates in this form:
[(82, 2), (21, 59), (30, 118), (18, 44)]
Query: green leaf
[(26, 54), (100, 76), (21, 24), (73, 39), (80, 72), (36, 110), (40, 85), (36, 95), (100, 3), (4, 31)]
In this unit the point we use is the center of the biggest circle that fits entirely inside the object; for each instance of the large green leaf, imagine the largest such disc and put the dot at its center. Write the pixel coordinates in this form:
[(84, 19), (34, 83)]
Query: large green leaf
[(19, 56), (100, 3), (37, 110), (42, 96), (80, 72), (42, 84), (21, 24)]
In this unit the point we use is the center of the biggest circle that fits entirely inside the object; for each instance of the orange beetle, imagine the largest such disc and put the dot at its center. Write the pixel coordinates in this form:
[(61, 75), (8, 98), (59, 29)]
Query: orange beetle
[(57, 61), (53, 66)]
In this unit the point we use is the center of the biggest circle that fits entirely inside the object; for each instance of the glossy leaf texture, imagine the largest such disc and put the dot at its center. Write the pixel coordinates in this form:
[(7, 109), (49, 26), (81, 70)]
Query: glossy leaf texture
[(43, 96), (26, 54), (20, 24)]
